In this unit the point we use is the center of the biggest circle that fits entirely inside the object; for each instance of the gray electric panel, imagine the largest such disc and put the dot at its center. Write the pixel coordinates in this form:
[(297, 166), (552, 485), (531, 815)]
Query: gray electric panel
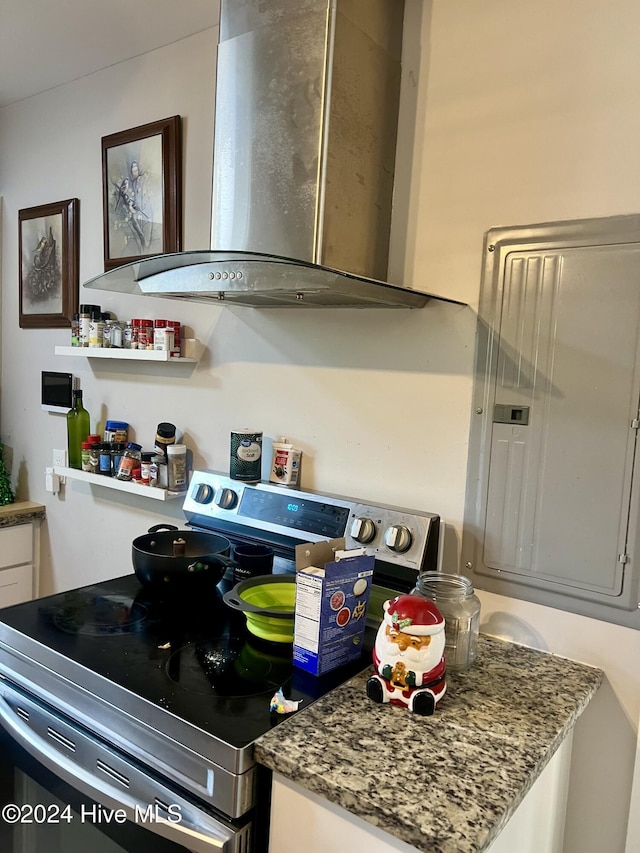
[(552, 504)]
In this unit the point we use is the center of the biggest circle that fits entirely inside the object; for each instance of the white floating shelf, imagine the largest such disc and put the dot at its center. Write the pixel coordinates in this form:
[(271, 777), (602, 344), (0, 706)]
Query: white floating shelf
[(120, 485), (131, 354)]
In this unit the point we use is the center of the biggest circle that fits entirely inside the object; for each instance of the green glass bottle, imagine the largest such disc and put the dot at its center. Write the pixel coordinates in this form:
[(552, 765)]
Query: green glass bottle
[(77, 429)]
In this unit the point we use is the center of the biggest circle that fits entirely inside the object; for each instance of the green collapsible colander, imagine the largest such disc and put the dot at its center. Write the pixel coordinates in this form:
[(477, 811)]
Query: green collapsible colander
[(268, 603)]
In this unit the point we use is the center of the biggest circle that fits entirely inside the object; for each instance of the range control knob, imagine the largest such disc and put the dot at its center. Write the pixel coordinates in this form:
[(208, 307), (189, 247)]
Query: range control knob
[(363, 530), (204, 494), (226, 499), (398, 538)]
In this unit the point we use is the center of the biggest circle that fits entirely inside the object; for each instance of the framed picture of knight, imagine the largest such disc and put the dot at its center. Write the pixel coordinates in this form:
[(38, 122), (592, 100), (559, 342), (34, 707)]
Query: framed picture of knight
[(142, 192), (48, 258)]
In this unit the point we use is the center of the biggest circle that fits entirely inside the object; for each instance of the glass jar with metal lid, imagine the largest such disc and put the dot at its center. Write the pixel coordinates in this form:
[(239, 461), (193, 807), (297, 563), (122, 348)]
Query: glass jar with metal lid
[(165, 435), (129, 461), (116, 431), (455, 598)]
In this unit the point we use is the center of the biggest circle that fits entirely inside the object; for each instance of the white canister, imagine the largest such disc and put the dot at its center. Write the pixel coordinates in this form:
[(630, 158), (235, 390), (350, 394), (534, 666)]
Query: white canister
[(163, 339), (285, 466), (177, 467)]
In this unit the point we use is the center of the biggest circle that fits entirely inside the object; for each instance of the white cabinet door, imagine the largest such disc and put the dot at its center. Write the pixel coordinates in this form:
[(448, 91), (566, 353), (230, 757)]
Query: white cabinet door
[(16, 564), (303, 821)]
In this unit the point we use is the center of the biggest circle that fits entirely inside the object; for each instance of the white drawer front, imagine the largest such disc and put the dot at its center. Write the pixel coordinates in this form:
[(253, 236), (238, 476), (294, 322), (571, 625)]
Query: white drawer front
[(16, 585), (16, 545)]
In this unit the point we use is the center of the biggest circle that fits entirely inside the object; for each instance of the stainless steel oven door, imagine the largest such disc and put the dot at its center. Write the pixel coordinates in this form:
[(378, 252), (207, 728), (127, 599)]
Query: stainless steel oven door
[(63, 789)]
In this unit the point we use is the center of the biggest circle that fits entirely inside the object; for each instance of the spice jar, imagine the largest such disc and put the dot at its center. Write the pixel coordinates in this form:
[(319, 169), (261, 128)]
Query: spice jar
[(117, 334), (104, 459), (94, 442), (96, 328), (175, 349), (117, 449), (129, 460), (86, 456), (128, 335), (94, 459), (177, 467), (84, 319), (456, 600), (135, 333), (75, 330), (165, 435), (145, 468), (158, 471), (107, 333), (162, 336), (116, 431), (145, 334)]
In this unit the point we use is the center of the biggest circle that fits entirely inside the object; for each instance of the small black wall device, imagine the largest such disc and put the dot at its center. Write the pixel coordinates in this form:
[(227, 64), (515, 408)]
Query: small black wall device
[(56, 391)]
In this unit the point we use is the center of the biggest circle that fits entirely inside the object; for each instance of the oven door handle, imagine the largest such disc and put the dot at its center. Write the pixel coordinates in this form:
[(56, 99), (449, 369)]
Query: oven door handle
[(187, 825)]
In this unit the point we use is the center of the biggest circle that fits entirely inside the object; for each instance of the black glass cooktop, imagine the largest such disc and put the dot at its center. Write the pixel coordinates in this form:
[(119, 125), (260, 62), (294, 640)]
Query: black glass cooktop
[(194, 658)]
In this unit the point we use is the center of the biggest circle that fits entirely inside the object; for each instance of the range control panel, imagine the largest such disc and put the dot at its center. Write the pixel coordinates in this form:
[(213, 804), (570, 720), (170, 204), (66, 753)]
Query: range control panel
[(394, 535)]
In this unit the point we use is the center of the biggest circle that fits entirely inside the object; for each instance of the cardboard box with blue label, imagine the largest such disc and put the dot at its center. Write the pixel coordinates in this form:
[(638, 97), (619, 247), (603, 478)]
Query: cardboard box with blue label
[(332, 594)]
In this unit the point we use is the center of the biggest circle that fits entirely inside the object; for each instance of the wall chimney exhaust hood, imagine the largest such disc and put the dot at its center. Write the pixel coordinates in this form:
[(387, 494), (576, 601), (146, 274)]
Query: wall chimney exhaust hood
[(306, 117)]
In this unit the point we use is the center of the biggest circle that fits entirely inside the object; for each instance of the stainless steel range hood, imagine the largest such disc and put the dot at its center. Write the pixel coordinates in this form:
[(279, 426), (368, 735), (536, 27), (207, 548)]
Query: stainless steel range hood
[(304, 155)]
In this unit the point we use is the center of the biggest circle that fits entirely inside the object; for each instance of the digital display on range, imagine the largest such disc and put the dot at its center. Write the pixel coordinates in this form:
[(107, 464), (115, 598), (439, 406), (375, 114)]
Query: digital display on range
[(323, 519)]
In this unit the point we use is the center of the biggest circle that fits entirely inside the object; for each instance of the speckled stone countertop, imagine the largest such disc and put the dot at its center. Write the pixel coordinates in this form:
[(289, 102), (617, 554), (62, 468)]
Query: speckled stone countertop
[(491, 736), (20, 512)]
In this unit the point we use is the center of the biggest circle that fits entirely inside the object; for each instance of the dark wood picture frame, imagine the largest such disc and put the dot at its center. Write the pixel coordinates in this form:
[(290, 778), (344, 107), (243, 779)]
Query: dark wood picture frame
[(48, 263), (142, 192)]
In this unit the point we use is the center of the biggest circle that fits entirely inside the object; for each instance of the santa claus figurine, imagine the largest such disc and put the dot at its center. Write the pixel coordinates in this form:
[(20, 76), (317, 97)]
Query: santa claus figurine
[(409, 655)]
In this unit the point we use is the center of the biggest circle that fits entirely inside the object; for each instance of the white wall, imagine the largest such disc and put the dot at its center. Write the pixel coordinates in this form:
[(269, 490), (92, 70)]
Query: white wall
[(526, 113), (531, 116)]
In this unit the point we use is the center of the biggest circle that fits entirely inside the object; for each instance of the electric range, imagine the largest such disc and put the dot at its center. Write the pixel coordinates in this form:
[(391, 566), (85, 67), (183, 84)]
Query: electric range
[(136, 700)]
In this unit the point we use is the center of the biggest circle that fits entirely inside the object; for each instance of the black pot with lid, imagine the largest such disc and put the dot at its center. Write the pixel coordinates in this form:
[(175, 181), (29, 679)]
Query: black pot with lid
[(169, 559)]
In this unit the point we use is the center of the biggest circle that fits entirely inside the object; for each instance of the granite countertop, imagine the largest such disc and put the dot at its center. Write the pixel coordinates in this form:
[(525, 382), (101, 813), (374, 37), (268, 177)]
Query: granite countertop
[(491, 736), (20, 512)]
